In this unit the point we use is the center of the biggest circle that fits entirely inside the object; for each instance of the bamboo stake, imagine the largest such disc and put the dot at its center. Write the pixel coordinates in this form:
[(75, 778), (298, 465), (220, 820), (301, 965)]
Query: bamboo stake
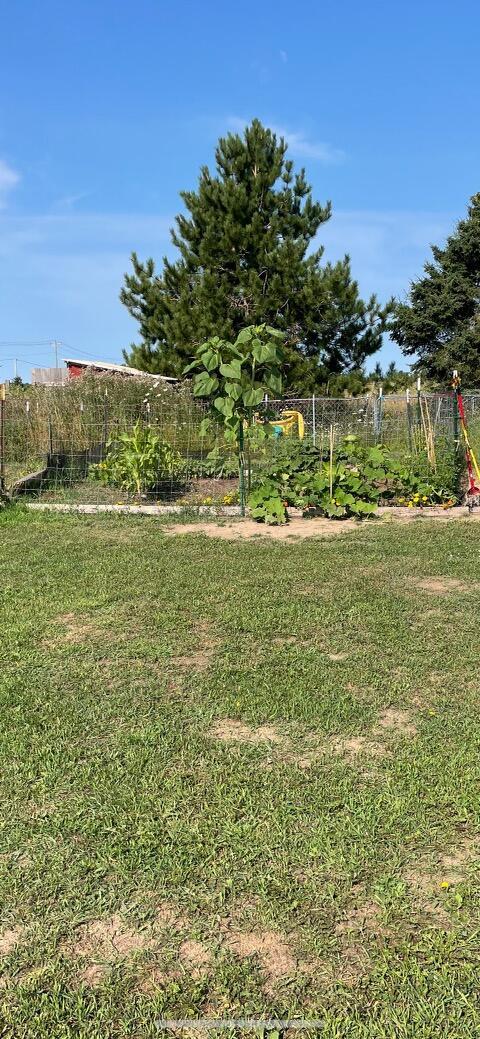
[(331, 462), (433, 457), (427, 431)]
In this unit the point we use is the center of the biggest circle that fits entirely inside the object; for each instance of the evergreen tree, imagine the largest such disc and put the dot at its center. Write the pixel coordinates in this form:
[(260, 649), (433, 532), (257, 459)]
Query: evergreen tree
[(243, 245), (441, 321)]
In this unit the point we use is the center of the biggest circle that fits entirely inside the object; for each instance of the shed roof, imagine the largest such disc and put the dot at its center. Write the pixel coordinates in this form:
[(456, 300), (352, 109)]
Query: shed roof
[(121, 369)]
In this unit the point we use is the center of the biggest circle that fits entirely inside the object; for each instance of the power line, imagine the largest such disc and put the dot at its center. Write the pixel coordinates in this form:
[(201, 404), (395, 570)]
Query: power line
[(26, 342)]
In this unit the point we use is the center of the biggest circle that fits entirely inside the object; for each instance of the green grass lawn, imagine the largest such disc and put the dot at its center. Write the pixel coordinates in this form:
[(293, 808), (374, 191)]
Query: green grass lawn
[(238, 779)]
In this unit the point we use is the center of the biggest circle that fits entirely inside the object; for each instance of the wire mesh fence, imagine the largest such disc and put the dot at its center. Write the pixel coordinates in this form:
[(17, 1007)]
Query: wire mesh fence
[(56, 440)]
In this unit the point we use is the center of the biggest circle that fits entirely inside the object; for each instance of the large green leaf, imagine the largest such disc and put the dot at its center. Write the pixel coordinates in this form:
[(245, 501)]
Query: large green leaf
[(204, 384), (233, 389), (224, 405), (210, 358), (253, 396), (263, 352), (273, 382), (190, 367), (232, 370), (244, 336)]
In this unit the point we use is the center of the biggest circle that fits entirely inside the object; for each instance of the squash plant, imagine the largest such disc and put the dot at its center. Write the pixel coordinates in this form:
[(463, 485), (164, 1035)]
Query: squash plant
[(351, 486), (266, 505), (234, 378)]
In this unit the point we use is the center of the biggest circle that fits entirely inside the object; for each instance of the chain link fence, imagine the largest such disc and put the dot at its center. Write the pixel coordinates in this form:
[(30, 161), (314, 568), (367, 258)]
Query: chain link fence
[(54, 438)]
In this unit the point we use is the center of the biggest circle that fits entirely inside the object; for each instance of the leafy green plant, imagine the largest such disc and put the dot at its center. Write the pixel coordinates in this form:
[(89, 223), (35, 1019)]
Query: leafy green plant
[(290, 457), (235, 377), (336, 492), (217, 466), (266, 504), (138, 461), (403, 481), (350, 485)]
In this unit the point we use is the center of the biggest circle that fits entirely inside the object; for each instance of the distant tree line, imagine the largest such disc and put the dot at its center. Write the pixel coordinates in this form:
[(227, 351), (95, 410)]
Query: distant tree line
[(248, 253)]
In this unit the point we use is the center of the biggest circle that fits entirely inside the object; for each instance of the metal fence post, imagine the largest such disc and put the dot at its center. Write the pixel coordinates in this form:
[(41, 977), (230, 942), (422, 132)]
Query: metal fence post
[(2, 438), (409, 420), (241, 467), (50, 436), (314, 421), (105, 419), (377, 415)]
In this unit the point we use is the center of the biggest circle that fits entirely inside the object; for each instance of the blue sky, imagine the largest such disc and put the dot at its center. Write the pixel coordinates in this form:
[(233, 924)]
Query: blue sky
[(108, 109)]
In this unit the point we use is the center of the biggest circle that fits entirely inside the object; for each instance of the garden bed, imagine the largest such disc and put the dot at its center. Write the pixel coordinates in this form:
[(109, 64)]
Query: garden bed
[(90, 492)]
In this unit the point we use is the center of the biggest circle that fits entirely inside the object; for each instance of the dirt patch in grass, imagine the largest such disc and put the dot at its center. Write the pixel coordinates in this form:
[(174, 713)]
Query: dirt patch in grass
[(77, 629), (357, 926), (338, 656), (198, 661), (442, 585), (273, 952), (241, 529), (393, 720), (9, 939), (351, 747), (168, 918), (156, 979), (431, 879), (361, 919), (354, 964), (230, 730), (201, 658), (306, 760), (196, 957), (103, 942)]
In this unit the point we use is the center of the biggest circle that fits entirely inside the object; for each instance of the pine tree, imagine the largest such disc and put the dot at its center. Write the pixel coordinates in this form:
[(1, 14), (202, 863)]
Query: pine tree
[(243, 243), (441, 321)]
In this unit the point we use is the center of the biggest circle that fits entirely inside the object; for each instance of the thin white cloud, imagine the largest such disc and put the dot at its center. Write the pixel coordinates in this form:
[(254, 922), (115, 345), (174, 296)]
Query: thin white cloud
[(9, 179), (283, 57), (67, 203), (297, 141)]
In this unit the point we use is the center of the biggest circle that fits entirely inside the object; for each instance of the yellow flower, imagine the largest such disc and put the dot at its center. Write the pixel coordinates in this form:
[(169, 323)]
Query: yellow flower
[(445, 884), (410, 504), (424, 498)]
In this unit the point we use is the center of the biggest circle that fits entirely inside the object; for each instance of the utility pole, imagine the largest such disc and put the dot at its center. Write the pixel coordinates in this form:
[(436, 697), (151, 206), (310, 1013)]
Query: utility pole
[(15, 368), (55, 347)]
